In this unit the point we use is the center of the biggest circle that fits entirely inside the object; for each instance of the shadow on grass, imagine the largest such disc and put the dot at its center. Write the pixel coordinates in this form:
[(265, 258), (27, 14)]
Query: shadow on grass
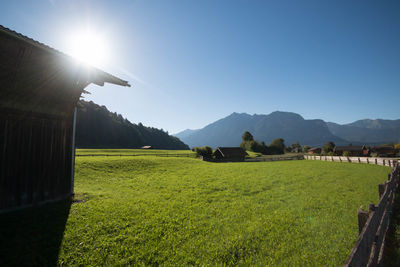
[(33, 236)]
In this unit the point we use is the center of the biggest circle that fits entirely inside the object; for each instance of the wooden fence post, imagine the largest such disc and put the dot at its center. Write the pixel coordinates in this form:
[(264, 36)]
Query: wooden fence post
[(383, 162), (381, 189), (371, 208), (376, 161), (362, 219), (367, 160)]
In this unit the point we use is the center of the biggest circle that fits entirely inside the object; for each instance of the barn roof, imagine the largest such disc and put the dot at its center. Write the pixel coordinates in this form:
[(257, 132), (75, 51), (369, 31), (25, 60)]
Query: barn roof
[(39, 79), (232, 152), (97, 76), (314, 148), (349, 148), (383, 148)]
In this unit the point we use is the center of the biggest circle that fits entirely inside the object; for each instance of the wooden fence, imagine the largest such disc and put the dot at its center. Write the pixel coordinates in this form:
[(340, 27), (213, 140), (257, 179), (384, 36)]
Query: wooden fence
[(277, 158), (368, 160), (373, 225), (186, 155)]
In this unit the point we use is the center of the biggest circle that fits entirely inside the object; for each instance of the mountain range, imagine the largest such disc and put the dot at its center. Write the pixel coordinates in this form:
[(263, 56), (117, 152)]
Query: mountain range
[(292, 128), (97, 127)]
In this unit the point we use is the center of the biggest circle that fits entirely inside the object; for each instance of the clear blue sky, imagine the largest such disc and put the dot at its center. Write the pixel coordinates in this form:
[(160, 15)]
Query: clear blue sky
[(193, 62)]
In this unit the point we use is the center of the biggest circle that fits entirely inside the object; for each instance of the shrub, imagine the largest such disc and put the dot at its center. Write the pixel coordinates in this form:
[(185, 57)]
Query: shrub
[(204, 151), (346, 154)]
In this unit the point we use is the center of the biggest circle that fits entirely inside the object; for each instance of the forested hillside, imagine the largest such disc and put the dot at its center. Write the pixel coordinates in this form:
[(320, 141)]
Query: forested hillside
[(97, 127), (373, 132)]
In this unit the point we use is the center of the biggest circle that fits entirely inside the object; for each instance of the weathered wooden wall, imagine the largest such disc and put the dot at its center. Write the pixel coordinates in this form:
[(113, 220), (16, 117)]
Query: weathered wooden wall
[(38, 91), (35, 157)]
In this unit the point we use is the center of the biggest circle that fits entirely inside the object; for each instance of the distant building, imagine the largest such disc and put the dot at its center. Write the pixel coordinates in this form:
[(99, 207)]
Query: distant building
[(314, 150), (383, 151), (230, 153), (146, 147), (357, 151), (39, 89)]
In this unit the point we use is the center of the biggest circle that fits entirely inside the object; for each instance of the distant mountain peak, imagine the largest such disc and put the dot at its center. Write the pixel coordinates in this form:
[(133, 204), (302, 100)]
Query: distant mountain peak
[(286, 114), (242, 114), (292, 127), (376, 124), (279, 124)]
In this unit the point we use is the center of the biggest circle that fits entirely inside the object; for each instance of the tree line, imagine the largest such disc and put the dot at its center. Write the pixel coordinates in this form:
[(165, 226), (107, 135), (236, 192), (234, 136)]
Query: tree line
[(276, 147), (97, 127)]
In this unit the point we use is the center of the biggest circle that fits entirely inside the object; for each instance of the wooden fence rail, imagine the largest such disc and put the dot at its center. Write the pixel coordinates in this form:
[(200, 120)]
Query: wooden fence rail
[(373, 225), (368, 160), (187, 155), (257, 159)]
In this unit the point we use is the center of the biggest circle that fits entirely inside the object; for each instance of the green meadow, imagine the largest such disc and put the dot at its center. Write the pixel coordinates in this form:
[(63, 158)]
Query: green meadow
[(131, 152), (182, 211), (178, 211)]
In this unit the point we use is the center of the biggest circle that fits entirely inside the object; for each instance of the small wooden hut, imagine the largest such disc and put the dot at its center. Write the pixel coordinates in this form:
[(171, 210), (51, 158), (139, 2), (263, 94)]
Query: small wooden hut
[(230, 153)]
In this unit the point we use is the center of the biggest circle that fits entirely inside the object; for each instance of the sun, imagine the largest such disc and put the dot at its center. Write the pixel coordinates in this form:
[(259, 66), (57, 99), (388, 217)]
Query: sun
[(88, 47)]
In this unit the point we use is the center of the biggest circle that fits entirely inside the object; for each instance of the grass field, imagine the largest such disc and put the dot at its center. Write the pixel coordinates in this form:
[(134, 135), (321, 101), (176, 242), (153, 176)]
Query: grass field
[(127, 152), (183, 211), (252, 154)]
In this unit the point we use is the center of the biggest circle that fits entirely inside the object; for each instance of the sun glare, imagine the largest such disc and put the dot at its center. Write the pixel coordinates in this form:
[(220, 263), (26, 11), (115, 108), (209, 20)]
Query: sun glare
[(88, 47)]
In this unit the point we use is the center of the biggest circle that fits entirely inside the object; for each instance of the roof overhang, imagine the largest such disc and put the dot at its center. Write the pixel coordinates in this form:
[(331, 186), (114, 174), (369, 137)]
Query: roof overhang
[(35, 77)]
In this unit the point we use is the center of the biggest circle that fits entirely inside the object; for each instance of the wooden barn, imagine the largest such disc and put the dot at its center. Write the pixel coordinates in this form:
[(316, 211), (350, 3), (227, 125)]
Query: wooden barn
[(230, 153), (384, 151), (358, 151), (39, 89)]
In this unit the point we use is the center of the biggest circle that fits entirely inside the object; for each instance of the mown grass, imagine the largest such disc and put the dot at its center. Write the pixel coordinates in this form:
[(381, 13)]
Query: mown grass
[(182, 211), (252, 154), (125, 152)]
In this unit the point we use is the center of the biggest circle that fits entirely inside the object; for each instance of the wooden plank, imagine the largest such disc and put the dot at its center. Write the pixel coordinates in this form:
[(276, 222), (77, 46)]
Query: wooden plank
[(369, 248)]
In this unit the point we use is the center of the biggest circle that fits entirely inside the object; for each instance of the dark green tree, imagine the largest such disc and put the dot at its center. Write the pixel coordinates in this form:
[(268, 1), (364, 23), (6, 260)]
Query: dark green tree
[(247, 136), (277, 146), (296, 147), (204, 151), (248, 143), (328, 147), (97, 127)]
